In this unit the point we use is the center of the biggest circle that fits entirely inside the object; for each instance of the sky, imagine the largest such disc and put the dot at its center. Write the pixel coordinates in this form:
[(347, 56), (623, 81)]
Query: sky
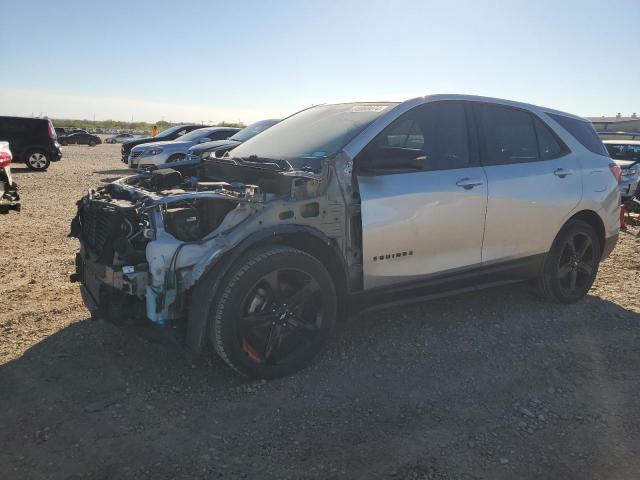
[(211, 61)]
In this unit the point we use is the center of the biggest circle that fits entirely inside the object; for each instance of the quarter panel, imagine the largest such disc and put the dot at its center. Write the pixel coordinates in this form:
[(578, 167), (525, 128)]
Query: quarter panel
[(601, 193), (527, 206)]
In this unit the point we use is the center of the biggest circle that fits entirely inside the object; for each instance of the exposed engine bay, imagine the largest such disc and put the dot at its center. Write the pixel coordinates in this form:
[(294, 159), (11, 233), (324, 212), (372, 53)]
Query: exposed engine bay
[(151, 236)]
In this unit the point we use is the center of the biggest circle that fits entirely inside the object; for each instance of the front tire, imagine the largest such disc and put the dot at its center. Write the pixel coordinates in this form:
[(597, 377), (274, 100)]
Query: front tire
[(37, 160), (274, 313), (572, 263)]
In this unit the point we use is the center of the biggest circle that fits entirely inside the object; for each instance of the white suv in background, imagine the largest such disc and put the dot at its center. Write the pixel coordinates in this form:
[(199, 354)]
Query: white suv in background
[(340, 207)]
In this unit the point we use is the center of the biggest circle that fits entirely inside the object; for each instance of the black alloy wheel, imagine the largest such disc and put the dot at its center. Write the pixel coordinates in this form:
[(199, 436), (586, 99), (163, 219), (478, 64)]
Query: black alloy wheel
[(281, 315), (576, 264), (274, 312), (571, 266)]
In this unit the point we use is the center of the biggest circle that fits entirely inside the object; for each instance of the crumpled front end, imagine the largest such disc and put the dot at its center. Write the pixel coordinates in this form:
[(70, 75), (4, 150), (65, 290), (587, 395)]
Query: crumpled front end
[(146, 239)]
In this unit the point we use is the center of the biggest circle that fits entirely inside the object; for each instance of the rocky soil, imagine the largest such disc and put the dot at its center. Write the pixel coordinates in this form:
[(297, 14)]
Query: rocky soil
[(493, 385)]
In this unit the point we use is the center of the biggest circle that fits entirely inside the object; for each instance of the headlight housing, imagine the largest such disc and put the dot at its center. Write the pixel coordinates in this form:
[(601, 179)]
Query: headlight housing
[(153, 151), (629, 172)]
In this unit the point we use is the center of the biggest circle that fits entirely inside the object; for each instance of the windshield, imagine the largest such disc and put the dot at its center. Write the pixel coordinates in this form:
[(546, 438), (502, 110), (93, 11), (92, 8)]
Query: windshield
[(317, 132), (252, 130), (194, 135), (169, 131)]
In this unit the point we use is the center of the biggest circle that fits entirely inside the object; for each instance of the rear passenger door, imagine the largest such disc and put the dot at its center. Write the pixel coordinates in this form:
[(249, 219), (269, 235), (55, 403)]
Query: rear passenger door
[(534, 183), (423, 196)]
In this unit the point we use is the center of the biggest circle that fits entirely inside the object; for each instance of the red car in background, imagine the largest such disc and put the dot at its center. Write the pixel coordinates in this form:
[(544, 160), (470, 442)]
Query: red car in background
[(9, 198)]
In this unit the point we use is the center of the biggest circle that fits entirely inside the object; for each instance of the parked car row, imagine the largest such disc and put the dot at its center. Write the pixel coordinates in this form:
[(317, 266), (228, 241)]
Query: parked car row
[(97, 131), (340, 208), (36, 142), (164, 136), (169, 151), (192, 147)]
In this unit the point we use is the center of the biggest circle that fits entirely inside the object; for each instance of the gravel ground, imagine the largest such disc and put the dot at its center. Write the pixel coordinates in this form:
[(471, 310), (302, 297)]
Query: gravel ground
[(493, 385)]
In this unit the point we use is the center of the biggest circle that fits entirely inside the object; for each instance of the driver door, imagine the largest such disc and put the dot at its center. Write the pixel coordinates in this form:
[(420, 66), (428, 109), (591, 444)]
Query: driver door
[(423, 197)]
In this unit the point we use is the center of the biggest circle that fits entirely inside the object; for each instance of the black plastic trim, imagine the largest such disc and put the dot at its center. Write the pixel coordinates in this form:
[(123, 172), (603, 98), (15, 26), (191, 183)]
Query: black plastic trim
[(450, 283), (609, 245)]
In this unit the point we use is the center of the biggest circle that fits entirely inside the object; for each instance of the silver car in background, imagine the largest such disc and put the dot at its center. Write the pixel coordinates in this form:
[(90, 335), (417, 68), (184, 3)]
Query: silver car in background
[(120, 138), (158, 153)]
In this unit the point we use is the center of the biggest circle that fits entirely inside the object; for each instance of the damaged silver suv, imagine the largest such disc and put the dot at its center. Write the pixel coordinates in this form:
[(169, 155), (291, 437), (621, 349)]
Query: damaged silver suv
[(342, 207)]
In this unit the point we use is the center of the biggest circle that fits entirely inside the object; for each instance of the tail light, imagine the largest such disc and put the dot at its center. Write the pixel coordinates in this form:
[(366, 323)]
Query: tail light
[(52, 131), (5, 159), (616, 171)]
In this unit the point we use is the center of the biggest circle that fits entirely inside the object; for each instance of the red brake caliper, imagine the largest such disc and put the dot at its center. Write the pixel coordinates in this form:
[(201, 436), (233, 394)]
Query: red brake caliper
[(250, 351)]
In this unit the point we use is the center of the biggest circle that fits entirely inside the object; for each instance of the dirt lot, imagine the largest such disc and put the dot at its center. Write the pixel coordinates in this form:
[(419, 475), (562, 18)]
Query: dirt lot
[(491, 385)]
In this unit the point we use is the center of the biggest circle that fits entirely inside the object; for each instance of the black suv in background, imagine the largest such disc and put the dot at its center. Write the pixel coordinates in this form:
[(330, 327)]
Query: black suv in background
[(33, 141), (164, 136)]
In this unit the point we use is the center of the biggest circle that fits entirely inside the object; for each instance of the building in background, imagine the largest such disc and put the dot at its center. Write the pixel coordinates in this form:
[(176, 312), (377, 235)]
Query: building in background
[(616, 125)]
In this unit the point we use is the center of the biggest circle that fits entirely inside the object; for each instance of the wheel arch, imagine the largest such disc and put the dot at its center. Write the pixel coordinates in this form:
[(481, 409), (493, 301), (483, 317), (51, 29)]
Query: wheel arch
[(304, 238), (593, 219)]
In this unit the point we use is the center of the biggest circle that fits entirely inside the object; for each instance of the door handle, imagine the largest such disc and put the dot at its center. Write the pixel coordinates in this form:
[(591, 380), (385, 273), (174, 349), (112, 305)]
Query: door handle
[(561, 172), (468, 183)]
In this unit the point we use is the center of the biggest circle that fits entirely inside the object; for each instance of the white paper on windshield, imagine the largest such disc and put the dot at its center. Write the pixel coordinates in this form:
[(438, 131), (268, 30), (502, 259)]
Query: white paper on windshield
[(368, 108)]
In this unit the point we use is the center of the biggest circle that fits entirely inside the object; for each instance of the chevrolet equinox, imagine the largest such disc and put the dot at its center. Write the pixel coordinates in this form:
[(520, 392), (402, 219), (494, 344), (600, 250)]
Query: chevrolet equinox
[(340, 207)]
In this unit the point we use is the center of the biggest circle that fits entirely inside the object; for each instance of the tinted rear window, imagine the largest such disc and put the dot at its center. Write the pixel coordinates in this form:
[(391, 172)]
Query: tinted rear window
[(509, 135), (582, 131)]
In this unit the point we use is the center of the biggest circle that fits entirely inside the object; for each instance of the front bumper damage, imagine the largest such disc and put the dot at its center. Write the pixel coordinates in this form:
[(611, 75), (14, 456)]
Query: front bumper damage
[(149, 277), (137, 262)]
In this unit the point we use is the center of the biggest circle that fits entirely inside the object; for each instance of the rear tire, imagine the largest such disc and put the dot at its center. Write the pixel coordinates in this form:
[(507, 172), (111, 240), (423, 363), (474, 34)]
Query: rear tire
[(275, 311), (92, 143), (571, 265), (37, 160)]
